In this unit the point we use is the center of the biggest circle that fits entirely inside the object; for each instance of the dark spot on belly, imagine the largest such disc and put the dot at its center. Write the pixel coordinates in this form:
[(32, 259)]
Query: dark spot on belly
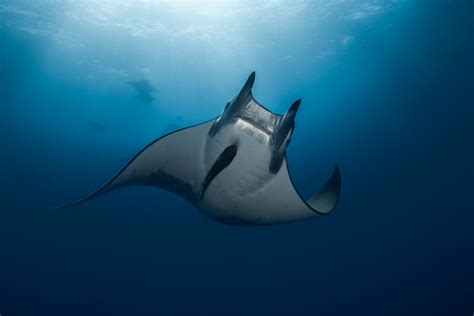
[(222, 162)]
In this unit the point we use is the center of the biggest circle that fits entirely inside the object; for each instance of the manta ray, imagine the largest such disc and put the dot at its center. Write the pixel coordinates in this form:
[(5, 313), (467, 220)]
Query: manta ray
[(233, 168), (144, 90)]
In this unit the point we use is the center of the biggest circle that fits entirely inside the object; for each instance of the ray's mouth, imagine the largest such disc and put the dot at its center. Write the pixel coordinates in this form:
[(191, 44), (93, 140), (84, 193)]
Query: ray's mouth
[(259, 124)]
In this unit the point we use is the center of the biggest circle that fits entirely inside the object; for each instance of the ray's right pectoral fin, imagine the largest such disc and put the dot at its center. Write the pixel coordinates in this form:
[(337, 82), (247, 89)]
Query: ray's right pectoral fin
[(171, 162)]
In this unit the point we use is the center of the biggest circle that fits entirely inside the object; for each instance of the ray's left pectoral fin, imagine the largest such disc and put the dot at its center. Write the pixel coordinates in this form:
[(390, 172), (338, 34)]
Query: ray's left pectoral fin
[(325, 200), (288, 205), (172, 162), (320, 203)]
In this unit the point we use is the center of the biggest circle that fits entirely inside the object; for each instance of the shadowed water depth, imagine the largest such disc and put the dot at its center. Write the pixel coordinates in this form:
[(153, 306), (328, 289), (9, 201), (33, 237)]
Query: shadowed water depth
[(387, 95)]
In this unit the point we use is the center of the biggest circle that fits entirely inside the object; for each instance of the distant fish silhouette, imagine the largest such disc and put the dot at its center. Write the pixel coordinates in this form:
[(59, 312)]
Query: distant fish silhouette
[(144, 89), (145, 98), (233, 168)]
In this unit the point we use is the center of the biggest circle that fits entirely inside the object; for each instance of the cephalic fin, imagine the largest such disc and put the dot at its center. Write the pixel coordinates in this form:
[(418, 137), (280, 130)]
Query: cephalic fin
[(241, 99), (286, 125)]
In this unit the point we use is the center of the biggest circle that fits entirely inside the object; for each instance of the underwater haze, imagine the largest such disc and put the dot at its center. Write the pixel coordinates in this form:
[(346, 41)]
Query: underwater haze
[(387, 95)]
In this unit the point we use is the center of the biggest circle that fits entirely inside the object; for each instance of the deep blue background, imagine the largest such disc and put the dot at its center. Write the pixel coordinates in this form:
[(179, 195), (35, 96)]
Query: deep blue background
[(394, 111)]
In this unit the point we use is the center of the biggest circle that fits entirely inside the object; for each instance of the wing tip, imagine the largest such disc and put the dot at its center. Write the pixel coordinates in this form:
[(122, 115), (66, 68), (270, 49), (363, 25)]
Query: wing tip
[(77, 202), (101, 191), (325, 201), (333, 189)]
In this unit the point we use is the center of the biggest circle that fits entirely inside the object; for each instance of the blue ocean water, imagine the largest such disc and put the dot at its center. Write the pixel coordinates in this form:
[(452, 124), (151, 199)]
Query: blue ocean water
[(387, 90)]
